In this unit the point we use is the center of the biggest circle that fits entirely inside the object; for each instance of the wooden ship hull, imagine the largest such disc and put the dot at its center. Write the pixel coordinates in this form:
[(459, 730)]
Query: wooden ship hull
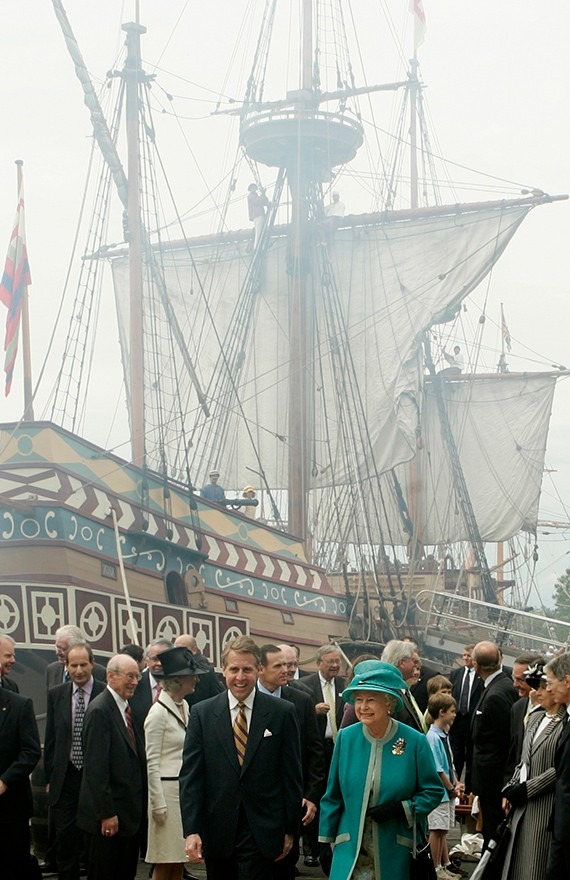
[(208, 571)]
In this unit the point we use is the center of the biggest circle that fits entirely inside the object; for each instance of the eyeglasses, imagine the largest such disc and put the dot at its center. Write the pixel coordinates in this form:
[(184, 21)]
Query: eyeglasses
[(130, 676)]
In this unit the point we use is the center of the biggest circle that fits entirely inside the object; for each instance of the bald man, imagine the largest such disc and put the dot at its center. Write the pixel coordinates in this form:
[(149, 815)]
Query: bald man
[(112, 799), (491, 734)]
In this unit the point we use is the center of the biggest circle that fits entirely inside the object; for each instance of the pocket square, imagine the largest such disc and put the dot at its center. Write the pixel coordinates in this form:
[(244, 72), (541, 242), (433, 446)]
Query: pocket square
[(478, 711), (267, 733)]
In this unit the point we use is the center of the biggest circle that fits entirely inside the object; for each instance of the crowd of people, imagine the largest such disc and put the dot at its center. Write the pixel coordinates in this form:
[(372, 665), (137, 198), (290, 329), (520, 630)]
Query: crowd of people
[(156, 756)]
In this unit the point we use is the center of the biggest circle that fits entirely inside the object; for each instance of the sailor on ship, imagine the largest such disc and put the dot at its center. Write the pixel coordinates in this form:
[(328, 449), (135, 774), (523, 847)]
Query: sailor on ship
[(456, 362), (257, 202), (212, 491)]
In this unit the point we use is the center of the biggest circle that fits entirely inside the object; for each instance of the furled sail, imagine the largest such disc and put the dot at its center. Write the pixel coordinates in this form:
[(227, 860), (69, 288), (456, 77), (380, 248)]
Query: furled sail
[(393, 279)]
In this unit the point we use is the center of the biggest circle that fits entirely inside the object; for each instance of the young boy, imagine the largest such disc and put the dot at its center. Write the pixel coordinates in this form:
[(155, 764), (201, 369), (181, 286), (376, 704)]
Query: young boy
[(442, 708)]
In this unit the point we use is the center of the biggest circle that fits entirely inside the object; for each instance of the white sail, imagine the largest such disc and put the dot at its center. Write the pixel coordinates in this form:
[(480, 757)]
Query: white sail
[(500, 425), (394, 280)]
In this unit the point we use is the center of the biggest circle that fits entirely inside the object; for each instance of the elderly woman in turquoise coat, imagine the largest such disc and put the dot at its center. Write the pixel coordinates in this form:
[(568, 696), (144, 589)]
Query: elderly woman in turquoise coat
[(382, 775)]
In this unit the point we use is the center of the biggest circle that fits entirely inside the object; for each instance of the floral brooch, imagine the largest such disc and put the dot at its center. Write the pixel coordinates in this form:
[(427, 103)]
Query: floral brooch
[(399, 747)]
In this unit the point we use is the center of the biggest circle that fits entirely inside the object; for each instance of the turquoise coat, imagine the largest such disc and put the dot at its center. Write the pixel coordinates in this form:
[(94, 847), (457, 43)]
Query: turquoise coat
[(398, 767)]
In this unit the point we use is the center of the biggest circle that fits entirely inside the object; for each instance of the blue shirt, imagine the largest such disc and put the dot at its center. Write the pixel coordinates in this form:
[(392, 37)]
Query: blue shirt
[(437, 739)]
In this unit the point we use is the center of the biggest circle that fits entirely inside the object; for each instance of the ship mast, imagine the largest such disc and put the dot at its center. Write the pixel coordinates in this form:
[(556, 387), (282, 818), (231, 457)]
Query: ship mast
[(132, 72), (308, 142)]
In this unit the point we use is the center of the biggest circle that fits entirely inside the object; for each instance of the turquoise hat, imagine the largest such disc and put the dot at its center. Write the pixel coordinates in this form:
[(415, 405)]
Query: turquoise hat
[(375, 675)]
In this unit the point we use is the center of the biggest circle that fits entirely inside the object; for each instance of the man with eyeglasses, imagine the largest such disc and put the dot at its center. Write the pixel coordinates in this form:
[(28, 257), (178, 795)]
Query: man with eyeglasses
[(112, 800)]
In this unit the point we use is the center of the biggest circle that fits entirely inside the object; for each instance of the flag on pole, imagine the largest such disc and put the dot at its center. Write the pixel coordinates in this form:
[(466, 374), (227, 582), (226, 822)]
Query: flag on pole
[(15, 279), (505, 330), (420, 27)]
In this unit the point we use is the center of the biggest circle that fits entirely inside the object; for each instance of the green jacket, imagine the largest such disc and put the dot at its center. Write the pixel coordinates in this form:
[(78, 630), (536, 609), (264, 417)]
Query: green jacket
[(399, 767)]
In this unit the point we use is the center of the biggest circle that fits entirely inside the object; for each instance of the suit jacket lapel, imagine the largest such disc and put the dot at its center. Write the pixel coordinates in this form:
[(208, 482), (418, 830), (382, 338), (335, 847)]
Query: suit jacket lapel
[(4, 708), (563, 739), (223, 729), (550, 727), (117, 716), (257, 727)]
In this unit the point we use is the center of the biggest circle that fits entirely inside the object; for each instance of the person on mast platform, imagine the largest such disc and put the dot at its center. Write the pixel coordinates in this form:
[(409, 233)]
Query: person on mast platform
[(257, 202), (212, 491), (334, 212), (456, 362)]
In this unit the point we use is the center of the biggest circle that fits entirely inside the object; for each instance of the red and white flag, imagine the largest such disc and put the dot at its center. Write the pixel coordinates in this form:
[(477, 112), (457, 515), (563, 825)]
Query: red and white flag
[(420, 27), (15, 279), (505, 330)]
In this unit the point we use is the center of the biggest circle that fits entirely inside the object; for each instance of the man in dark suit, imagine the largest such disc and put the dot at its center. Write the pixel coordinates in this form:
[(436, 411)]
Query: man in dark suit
[(19, 753), (241, 781), (466, 689), (490, 732), (558, 683), (63, 755), (66, 636), (272, 679), (149, 688), (325, 687), (112, 798), (7, 660)]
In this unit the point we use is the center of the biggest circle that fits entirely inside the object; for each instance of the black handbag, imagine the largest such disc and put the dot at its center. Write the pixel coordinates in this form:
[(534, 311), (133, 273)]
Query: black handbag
[(421, 862)]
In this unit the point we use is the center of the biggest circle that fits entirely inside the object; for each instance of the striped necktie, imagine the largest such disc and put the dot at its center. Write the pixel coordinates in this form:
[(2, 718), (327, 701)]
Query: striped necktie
[(330, 699), (240, 733), (157, 691), (130, 728), (76, 734)]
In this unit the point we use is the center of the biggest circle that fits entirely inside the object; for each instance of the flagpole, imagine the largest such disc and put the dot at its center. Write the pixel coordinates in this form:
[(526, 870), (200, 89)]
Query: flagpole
[(26, 347)]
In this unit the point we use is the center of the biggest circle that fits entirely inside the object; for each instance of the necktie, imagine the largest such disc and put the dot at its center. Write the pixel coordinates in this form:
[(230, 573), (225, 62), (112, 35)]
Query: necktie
[(464, 695), (240, 733), (129, 717), (330, 699), (76, 743), (157, 692)]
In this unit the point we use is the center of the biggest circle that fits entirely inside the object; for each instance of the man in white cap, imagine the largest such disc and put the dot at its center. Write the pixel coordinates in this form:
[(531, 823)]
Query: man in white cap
[(212, 491)]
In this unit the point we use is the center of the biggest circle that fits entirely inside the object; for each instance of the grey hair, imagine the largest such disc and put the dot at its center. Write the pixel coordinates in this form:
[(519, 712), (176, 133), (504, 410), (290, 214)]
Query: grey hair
[(324, 650), (396, 650), (162, 642), (172, 684), (7, 638), (559, 666), (69, 631)]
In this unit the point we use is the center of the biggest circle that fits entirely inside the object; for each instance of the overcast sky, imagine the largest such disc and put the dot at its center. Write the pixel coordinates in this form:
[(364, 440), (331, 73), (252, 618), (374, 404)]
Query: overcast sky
[(497, 94)]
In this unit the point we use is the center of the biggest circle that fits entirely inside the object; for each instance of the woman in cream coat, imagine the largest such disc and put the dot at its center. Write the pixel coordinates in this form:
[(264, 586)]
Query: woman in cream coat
[(165, 729)]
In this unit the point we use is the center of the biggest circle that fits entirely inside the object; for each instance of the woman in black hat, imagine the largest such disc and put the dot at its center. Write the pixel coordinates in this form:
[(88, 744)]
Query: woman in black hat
[(530, 792), (165, 729)]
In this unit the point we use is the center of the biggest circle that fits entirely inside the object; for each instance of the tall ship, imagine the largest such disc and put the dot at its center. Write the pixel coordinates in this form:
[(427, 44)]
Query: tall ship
[(307, 360)]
